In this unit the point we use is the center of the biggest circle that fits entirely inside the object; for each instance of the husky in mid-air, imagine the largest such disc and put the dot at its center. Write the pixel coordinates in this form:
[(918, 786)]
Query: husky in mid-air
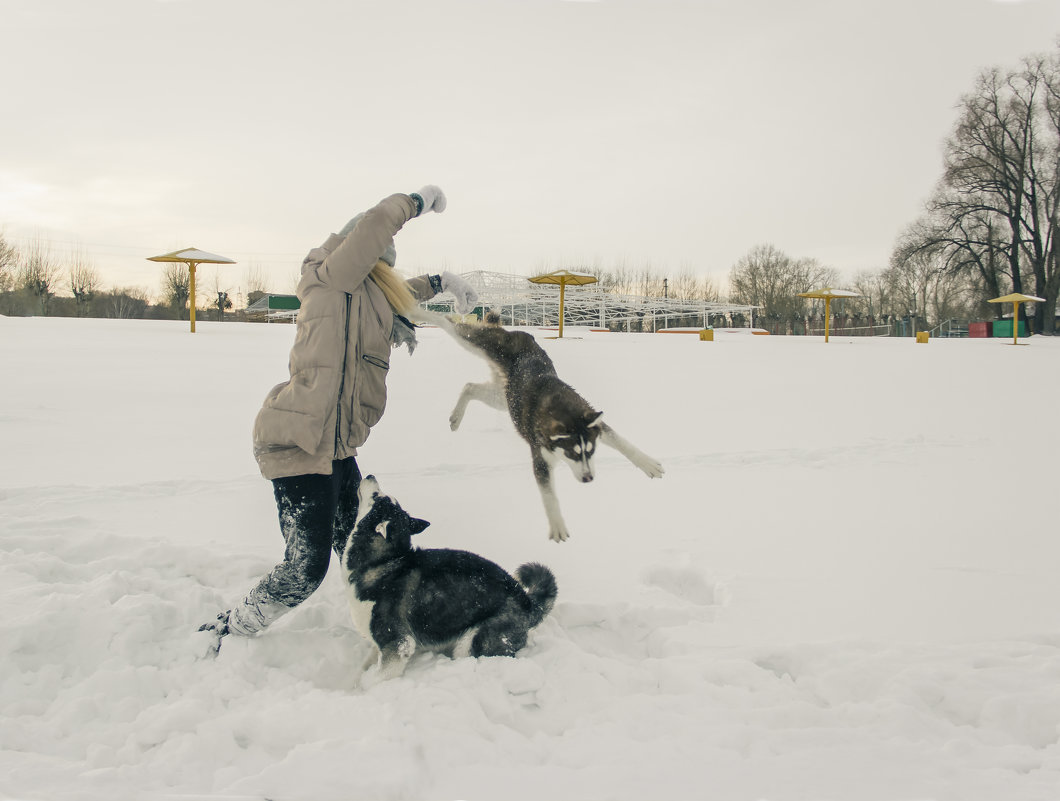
[(557, 423)]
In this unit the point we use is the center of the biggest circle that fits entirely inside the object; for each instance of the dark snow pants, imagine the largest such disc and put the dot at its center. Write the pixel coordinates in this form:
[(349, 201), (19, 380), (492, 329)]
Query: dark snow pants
[(317, 514)]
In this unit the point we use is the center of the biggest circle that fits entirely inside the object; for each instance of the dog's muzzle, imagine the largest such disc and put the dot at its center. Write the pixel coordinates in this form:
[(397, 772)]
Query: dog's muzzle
[(582, 473)]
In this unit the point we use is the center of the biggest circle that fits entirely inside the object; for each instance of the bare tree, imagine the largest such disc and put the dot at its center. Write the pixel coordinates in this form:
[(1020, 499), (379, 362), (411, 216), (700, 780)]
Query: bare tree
[(987, 161), (1000, 190), (621, 280), (222, 303), (945, 267), (255, 278), (909, 279), (176, 287), (1047, 267), (8, 263), (85, 282), (772, 280), (689, 286), (9, 259), (220, 294), (125, 303), (876, 301), (38, 273), (992, 223), (967, 242), (256, 282)]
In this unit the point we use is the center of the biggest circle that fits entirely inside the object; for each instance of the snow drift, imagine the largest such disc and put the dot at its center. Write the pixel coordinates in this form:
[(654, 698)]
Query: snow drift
[(843, 588)]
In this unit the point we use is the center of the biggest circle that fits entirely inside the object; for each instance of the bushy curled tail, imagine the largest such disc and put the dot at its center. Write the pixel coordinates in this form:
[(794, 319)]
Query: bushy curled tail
[(540, 586)]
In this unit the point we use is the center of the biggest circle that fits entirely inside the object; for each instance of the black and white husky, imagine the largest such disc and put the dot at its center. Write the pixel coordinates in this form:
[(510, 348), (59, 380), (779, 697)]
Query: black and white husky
[(404, 598), (557, 423)]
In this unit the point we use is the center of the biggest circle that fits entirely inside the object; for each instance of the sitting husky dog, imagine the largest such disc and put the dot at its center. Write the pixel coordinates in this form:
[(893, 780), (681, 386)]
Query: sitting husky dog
[(557, 423), (455, 602)]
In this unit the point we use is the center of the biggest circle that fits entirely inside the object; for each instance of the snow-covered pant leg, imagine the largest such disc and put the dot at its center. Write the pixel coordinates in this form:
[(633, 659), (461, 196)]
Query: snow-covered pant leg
[(311, 509), (348, 478)]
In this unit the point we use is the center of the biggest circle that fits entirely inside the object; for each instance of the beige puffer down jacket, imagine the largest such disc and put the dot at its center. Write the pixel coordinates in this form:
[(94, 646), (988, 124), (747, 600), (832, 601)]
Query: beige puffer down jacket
[(341, 354)]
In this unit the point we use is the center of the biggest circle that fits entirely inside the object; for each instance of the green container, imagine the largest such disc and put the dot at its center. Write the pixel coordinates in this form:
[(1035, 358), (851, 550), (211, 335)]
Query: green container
[(291, 302), (1003, 328)]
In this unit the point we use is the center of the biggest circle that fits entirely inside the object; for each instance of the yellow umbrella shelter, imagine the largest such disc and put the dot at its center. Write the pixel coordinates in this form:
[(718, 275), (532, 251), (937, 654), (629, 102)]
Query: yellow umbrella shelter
[(193, 258), (563, 278), (1016, 299), (828, 295)]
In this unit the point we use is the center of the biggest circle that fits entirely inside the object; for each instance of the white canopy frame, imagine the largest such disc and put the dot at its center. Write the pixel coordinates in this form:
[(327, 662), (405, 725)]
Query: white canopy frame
[(522, 303)]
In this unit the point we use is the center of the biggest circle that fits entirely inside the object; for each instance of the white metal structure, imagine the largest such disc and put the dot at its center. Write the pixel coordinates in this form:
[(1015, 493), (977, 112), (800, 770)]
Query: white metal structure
[(520, 302)]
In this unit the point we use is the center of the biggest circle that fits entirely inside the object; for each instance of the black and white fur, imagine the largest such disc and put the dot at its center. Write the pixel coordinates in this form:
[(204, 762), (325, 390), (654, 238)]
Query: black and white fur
[(455, 602), (557, 423)]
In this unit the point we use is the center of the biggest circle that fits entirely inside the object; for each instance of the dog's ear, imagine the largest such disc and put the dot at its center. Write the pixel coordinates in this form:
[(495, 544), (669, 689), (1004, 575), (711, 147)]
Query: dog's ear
[(416, 525), (554, 430), (595, 419)]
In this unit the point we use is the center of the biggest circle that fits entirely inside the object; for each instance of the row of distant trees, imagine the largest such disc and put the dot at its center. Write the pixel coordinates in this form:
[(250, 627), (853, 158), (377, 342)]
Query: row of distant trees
[(908, 290), (35, 280), (766, 277), (991, 226)]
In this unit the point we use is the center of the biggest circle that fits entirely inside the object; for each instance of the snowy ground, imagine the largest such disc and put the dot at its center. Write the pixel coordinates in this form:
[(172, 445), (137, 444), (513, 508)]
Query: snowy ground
[(844, 587)]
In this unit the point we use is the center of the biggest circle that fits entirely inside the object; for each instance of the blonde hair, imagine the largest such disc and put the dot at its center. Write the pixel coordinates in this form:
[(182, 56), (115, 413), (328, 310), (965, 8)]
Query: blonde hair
[(396, 289)]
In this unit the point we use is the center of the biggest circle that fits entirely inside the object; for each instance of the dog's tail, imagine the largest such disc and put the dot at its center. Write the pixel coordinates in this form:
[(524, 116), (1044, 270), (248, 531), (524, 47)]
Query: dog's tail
[(540, 586)]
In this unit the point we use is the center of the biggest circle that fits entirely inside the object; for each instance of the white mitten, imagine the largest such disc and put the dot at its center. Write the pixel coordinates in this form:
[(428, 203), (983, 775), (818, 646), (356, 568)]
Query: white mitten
[(433, 198), (466, 296)]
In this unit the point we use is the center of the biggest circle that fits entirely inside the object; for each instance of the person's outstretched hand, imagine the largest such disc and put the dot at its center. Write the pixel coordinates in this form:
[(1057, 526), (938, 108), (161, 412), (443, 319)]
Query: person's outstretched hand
[(432, 198), (466, 296)]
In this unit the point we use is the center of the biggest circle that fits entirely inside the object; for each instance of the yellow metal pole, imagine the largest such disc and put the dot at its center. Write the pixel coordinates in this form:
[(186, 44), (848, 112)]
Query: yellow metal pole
[(1015, 322), (827, 315), (562, 287), (191, 292)]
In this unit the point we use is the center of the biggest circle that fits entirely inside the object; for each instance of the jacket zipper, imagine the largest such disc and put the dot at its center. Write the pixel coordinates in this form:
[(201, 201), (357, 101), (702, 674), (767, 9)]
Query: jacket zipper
[(342, 380)]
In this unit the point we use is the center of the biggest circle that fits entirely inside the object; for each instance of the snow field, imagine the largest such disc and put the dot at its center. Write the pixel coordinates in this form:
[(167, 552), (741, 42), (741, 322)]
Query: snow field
[(843, 587)]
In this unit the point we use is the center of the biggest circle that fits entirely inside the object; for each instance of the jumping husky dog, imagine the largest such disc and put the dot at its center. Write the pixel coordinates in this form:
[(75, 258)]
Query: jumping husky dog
[(403, 598), (557, 423)]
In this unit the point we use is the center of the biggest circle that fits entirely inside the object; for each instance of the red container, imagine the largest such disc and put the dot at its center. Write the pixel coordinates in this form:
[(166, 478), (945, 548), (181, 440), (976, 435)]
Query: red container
[(980, 330)]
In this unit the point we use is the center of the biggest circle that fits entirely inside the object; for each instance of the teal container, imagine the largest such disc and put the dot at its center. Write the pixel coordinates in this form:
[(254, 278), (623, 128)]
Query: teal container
[(1003, 328)]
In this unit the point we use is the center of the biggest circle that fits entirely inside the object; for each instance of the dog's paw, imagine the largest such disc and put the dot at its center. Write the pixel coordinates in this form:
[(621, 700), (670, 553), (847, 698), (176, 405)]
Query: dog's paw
[(651, 468), (372, 677), (558, 534), (455, 420)]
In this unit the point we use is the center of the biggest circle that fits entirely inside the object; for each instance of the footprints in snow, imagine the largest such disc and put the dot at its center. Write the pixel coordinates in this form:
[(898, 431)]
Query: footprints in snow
[(688, 585)]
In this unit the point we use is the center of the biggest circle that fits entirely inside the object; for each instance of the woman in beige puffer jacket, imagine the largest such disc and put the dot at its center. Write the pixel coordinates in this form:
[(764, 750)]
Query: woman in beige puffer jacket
[(353, 310)]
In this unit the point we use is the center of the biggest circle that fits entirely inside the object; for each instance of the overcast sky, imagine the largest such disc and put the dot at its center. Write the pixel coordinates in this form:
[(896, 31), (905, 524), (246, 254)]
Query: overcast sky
[(565, 134)]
